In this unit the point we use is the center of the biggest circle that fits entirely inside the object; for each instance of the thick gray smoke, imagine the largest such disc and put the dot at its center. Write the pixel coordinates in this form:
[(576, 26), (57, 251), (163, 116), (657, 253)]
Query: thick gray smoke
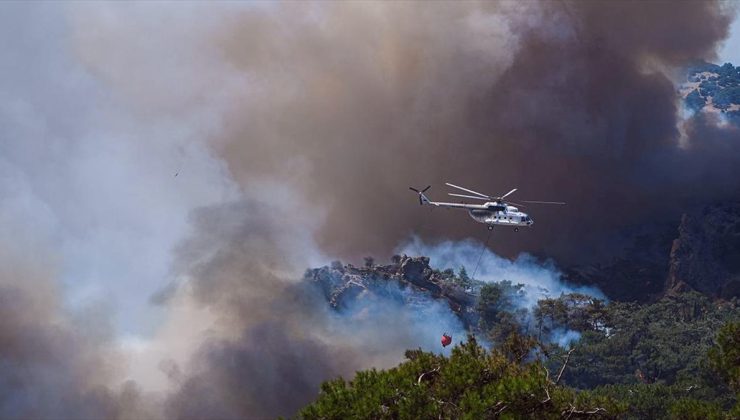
[(52, 363), (279, 339), (88, 213), (295, 129), (566, 100)]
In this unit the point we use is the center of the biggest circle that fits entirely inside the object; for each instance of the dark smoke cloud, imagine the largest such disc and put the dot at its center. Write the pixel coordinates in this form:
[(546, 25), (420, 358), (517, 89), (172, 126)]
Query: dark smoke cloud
[(53, 364), (278, 339), (566, 100), (269, 372)]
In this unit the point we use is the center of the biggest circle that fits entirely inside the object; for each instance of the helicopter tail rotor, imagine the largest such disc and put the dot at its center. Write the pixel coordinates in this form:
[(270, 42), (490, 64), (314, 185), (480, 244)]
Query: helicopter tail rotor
[(422, 198)]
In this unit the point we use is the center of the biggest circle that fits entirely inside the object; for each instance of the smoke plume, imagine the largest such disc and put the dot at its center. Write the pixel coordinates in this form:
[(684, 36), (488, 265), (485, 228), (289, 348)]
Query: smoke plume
[(277, 337), (539, 279), (569, 101)]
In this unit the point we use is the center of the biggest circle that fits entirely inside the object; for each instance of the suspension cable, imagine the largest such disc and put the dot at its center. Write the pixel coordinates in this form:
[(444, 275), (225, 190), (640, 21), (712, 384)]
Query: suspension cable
[(485, 245)]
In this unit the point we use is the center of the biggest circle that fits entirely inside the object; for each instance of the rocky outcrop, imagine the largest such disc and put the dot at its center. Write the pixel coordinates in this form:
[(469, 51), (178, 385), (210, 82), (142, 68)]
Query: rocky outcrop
[(701, 252), (636, 270), (706, 255), (417, 272), (342, 285)]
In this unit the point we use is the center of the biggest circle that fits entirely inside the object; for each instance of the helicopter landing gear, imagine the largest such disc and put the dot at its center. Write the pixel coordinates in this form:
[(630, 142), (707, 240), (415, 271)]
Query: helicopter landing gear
[(516, 229), (490, 227)]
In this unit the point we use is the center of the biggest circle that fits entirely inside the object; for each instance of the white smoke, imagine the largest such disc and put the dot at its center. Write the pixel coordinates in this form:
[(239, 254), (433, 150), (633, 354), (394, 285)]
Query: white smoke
[(565, 338), (541, 279), (389, 316)]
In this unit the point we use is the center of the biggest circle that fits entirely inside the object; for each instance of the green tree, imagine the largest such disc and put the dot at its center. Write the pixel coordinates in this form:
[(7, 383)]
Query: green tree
[(724, 357), (497, 304), (369, 262), (471, 384), (694, 101), (463, 274), (660, 401)]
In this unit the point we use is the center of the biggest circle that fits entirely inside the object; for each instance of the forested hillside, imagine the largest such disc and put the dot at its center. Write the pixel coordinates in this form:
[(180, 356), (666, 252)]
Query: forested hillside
[(714, 88), (567, 356)]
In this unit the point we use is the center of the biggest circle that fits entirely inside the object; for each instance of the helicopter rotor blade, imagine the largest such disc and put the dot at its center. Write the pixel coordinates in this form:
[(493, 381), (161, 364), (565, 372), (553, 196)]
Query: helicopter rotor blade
[(414, 189), (468, 196), (544, 202), (516, 204), (507, 194), (467, 190), (425, 189)]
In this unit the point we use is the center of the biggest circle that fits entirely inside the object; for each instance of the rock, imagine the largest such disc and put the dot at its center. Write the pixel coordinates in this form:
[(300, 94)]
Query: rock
[(701, 252), (636, 271), (706, 255), (342, 286), (417, 272)]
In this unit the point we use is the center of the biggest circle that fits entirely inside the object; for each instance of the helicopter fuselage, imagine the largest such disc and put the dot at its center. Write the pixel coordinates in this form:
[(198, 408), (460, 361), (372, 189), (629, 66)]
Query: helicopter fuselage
[(496, 214)]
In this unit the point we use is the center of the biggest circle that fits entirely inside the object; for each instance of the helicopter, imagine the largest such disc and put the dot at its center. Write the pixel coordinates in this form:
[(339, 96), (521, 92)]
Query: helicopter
[(495, 210)]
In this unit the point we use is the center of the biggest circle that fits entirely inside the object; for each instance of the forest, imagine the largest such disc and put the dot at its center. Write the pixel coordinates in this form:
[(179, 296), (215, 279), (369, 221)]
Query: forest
[(718, 85), (568, 356)]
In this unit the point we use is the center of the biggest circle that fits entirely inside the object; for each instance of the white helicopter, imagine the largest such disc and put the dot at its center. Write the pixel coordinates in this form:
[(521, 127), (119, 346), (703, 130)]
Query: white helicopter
[(495, 210)]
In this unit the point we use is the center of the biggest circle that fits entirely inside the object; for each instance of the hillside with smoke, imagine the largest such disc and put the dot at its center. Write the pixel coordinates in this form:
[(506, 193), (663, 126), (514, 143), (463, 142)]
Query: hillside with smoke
[(277, 337), (169, 173)]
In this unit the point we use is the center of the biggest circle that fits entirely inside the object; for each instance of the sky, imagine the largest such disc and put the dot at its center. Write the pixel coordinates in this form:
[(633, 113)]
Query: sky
[(730, 50)]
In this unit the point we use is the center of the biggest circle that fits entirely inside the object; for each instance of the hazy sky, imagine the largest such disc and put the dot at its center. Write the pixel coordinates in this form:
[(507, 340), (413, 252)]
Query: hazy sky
[(86, 178), (730, 51)]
